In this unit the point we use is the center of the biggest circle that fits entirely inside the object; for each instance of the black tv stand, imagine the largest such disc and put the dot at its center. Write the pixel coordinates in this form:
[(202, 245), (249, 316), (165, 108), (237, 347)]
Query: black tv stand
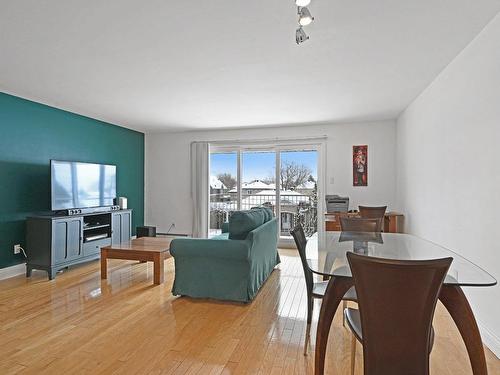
[(55, 242)]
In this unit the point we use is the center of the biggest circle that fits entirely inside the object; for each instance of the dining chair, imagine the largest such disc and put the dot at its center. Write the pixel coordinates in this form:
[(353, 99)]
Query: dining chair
[(357, 224), (372, 212), (396, 302), (367, 212), (314, 289)]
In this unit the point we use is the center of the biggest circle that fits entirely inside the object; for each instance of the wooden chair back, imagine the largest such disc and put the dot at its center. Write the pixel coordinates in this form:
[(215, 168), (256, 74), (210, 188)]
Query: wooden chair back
[(357, 224), (396, 302), (301, 242), (372, 212)]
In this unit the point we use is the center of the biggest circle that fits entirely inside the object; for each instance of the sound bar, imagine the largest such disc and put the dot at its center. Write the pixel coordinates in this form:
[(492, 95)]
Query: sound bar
[(91, 210)]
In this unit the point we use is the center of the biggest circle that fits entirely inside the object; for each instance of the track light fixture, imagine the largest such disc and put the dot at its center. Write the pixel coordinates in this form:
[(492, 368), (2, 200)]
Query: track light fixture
[(305, 19), (300, 35)]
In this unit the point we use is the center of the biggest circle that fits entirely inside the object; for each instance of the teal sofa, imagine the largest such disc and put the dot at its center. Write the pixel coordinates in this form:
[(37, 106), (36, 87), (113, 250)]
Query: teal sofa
[(231, 266)]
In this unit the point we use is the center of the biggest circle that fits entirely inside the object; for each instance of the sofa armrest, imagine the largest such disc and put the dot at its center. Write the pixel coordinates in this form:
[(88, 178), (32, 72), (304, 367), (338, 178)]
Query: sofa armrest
[(265, 238), (201, 247)]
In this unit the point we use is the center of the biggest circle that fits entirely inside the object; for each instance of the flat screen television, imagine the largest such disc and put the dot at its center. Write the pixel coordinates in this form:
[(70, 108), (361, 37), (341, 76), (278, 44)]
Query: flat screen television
[(81, 185)]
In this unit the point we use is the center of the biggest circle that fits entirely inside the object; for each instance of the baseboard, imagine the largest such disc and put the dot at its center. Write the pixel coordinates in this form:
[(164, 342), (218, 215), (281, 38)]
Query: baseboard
[(18, 269), (490, 339)]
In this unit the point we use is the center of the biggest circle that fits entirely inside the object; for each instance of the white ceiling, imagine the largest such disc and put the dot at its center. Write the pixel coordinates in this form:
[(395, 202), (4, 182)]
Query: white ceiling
[(165, 65)]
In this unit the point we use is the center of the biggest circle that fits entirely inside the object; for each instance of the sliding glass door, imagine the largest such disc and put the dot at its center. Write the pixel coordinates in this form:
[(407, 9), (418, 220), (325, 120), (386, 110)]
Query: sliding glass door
[(258, 172), (283, 178), (298, 190), (223, 187)]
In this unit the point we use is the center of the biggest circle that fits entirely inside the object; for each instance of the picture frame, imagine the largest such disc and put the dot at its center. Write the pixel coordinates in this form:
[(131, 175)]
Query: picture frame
[(360, 165)]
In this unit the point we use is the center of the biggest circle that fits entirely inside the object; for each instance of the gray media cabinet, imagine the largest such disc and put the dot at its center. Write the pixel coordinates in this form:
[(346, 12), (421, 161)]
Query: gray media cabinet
[(56, 242)]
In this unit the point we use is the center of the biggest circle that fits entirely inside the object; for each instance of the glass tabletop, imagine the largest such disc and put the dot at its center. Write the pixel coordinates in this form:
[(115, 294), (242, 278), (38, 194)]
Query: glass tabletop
[(326, 254)]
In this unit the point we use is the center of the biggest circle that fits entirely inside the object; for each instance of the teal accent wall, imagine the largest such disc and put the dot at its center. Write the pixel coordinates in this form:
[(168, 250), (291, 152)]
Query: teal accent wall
[(30, 135)]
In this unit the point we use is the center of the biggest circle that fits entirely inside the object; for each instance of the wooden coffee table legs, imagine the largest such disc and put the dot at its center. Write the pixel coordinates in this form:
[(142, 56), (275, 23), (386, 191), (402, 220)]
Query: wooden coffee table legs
[(157, 258), (158, 261), (104, 263), (452, 297)]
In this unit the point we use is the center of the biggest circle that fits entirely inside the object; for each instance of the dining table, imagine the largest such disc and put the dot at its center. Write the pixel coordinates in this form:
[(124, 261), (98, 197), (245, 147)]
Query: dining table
[(326, 256)]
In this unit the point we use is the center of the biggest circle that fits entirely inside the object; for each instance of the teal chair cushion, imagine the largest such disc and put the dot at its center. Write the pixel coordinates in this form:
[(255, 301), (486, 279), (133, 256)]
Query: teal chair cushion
[(243, 222), (222, 236), (268, 213)]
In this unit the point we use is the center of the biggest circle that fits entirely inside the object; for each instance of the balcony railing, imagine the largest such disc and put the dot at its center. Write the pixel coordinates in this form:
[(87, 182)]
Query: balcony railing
[(294, 209)]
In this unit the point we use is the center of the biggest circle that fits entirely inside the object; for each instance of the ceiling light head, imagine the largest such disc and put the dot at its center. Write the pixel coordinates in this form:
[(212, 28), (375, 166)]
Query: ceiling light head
[(302, 3), (305, 17), (300, 36)]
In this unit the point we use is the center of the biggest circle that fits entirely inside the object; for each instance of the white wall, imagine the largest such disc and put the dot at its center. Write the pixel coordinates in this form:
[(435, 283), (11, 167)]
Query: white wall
[(448, 182), (168, 166)]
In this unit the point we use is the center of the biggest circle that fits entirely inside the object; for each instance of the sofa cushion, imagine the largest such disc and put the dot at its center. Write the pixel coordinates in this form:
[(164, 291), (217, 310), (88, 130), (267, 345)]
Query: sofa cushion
[(268, 213), (222, 236), (243, 222)]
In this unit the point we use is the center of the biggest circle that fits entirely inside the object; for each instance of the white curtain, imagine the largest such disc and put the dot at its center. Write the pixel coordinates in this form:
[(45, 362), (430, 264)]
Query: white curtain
[(200, 192)]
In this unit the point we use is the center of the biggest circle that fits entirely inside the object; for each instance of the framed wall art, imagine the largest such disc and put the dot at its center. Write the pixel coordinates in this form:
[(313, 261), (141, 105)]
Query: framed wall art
[(360, 165)]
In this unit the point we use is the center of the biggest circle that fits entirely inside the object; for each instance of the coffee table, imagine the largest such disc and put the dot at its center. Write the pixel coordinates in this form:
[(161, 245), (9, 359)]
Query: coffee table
[(144, 249)]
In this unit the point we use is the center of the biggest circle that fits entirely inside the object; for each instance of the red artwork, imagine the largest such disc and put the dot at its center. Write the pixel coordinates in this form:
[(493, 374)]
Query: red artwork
[(360, 165)]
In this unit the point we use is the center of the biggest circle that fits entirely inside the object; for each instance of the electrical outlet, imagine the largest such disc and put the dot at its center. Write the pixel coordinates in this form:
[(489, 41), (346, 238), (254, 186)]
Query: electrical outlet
[(17, 249)]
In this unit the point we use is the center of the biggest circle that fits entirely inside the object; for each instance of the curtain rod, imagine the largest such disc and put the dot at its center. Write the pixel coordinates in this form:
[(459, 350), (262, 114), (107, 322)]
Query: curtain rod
[(263, 140)]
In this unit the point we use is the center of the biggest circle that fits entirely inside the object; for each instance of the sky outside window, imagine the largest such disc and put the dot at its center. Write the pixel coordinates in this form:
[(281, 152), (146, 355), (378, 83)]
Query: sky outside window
[(306, 158), (260, 165), (223, 163)]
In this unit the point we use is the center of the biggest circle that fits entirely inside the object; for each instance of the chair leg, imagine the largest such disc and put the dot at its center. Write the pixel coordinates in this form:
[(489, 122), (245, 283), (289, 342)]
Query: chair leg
[(308, 337), (310, 304), (353, 353), (344, 306)]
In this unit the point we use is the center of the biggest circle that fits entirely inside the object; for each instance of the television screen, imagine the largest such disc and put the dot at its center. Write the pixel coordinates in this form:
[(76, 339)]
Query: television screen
[(82, 185)]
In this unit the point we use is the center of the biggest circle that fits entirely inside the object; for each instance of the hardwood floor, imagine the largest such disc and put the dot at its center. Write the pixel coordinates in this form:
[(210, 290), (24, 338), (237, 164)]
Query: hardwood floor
[(125, 325)]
